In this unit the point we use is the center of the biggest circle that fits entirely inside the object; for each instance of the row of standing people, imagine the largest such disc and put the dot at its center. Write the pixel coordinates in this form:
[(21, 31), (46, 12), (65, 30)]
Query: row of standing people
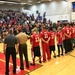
[(12, 43), (47, 44), (64, 37)]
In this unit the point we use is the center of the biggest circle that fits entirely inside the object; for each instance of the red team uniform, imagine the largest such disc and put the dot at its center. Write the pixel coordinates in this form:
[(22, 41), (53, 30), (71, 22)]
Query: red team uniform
[(72, 29), (67, 36), (66, 30), (52, 42), (59, 36), (35, 40), (45, 46), (52, 38)]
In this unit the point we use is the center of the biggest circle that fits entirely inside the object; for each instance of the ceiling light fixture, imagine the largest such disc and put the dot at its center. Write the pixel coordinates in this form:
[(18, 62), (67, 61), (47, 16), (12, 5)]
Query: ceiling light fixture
[(8, 2)]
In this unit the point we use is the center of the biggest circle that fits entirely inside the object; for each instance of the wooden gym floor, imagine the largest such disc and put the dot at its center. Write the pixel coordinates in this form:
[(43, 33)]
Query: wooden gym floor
[(63, 65)]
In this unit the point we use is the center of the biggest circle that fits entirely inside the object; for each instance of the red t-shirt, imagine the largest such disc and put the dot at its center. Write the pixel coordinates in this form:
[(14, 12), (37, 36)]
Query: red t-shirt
[(59, 37), (63, 32), (45, 35), (52, 38), (67, 31), (72, 29), (35, 39)]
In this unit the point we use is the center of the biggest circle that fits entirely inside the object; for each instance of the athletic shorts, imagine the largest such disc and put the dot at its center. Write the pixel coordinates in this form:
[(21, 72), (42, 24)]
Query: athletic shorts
[(36, 51), (52, 48)]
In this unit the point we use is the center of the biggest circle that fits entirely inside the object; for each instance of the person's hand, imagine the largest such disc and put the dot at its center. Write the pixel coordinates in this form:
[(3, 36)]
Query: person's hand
[(46, 42), (16, 52)]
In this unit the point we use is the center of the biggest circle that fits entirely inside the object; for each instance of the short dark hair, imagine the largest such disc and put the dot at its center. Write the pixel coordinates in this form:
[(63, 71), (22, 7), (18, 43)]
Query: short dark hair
[(65, 24), (19, 30), (51, 28)]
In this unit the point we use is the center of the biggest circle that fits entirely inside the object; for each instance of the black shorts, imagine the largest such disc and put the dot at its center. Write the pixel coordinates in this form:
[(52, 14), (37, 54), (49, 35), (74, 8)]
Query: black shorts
[(52, 48), (36, 51)]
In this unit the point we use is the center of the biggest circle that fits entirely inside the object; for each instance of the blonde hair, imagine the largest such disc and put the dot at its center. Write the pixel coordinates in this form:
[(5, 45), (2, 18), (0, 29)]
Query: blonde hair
[(59, 28), (35, 30)]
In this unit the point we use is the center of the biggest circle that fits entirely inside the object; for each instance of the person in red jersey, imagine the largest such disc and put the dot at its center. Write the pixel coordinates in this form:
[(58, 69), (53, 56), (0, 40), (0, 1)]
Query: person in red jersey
[(35, 41), (67, 37), (72, 29), (59, 37), (52, 41), (45, 43)]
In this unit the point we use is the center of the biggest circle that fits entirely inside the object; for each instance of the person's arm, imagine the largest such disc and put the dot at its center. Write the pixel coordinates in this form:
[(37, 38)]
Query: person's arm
[(43, 40), (4, 48), (16, 46), (26, 37), (4, 45), (69, 36), (48, 40)]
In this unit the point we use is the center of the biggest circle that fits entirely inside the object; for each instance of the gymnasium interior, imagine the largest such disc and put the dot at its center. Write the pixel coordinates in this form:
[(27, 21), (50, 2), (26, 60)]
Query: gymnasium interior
[(25, 13)]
